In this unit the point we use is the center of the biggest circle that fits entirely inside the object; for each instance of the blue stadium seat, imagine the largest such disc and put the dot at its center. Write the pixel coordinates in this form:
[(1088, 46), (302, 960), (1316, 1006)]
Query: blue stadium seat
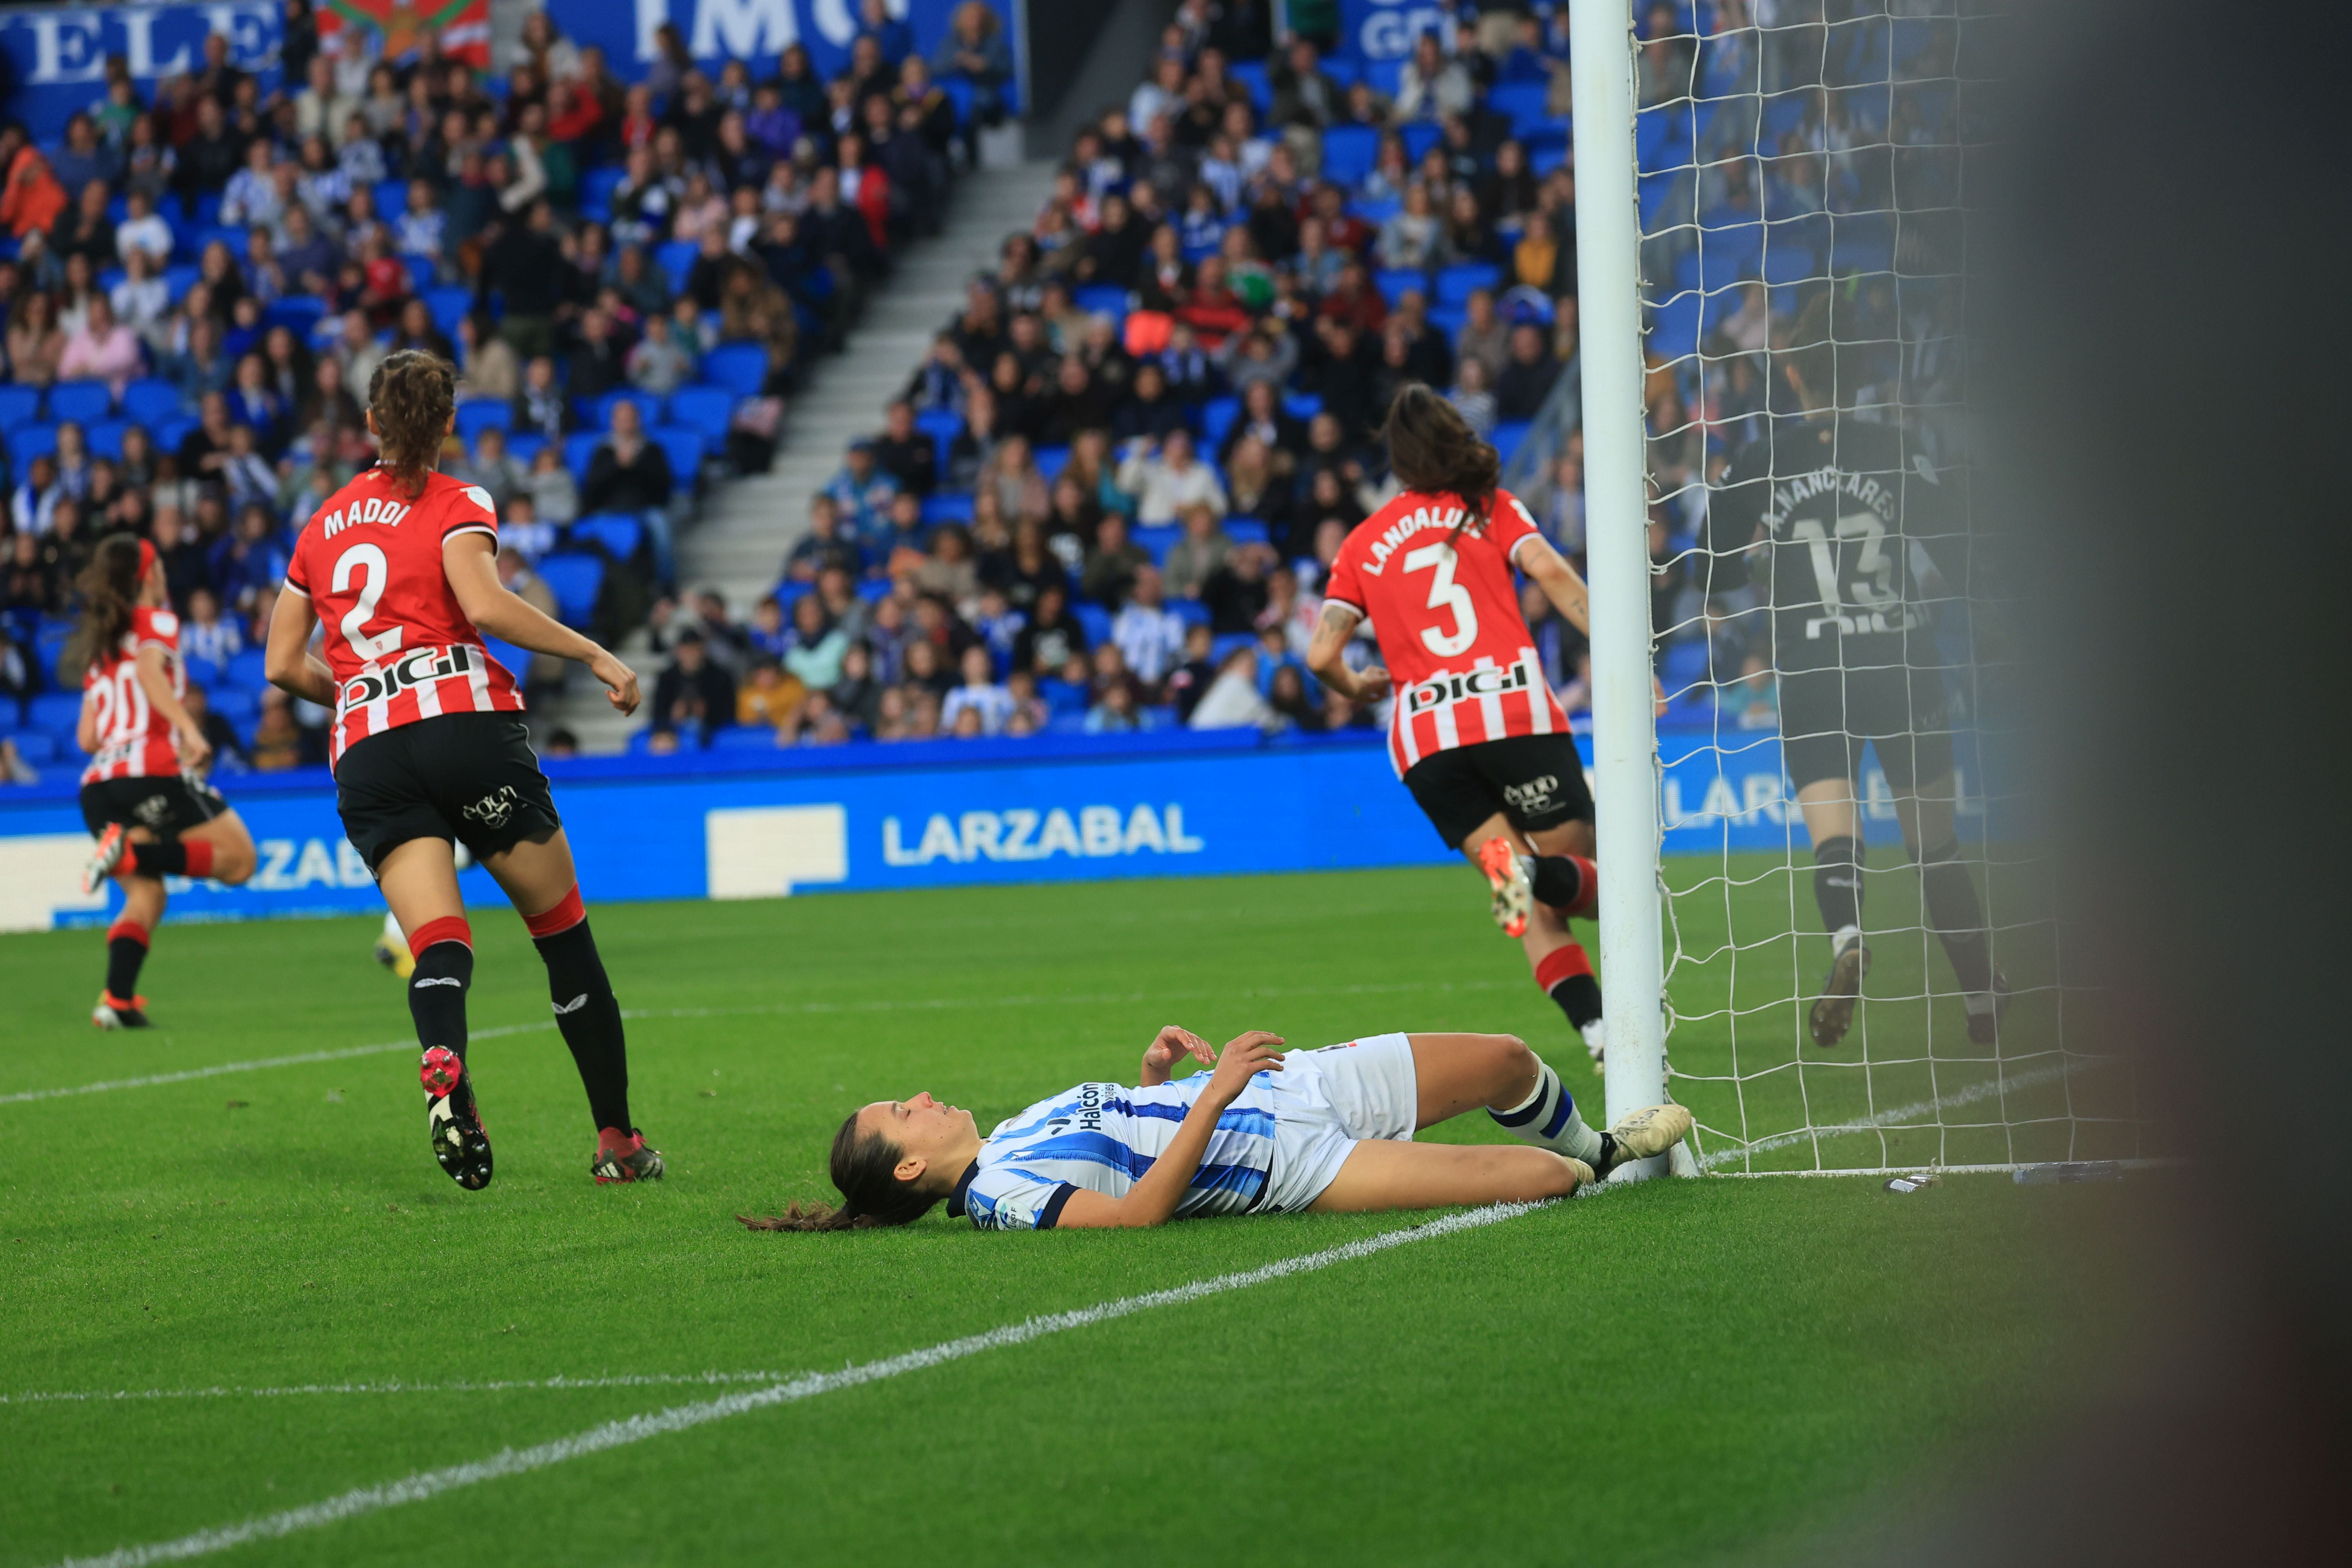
[(578, 448), (1459, 281), (575, 580), (948, 506), (709, 409), (741, 368), (873, 590), (1449, 320), (1383, 76), (1217, 417), (55, 712), (1394, 284), (38, 747), (1522, 100), (1251, 74), (391, 198), (1159, 539), (1674, 329), (942, 426), (1543, 161), (1507, 436), (477, 414), (171, 430), (524, 446), (1376, 212), (22, 405), (201, 671), (105, 438), (249, 668), (596, 188), (301, 312), (620, 535), (686, 450), (1095, 619), (600, 413), (12, 713), (420, 275), (1419, 137), (49, 648), (1191, 612), (449, 306), (1245, 531), (1101, 300), (148, 402), (1227, 642), (179, 278), (241, 705), (1790, 264), (1051, 461), (83, 402), (677, 259), (27, 442), (1349, 153)]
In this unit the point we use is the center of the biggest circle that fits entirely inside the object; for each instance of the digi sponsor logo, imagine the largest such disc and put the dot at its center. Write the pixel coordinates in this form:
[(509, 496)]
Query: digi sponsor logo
[(494, 810), (1099, 832), (420, 667), (1445, 688), (1533, 796)]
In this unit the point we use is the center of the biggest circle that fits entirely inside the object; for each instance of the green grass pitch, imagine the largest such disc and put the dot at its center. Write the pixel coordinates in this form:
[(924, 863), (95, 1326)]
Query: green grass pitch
[(1652, 1375)]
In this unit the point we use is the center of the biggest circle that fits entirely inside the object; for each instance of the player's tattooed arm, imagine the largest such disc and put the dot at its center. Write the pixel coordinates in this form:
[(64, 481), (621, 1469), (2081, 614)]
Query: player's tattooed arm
[(1326, 656), (1559, 580)]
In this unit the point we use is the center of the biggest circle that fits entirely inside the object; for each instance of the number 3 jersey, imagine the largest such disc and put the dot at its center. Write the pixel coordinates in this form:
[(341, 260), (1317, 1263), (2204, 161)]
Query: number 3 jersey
[(1837, 512), (135, 742), (399, 644), (1448, 614)]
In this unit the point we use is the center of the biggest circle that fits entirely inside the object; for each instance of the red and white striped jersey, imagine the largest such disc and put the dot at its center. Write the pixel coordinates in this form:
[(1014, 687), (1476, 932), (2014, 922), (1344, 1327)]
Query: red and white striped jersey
[(1448, 614), (401, 646), (135, 742)]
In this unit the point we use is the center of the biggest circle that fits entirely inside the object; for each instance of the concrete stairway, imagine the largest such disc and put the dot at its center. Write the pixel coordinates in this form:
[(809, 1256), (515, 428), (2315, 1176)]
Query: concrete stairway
[(738, 545)]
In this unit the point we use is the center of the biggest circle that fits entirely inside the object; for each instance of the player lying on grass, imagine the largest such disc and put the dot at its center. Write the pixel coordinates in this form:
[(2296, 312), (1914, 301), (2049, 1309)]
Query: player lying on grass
[(1262, 1132)]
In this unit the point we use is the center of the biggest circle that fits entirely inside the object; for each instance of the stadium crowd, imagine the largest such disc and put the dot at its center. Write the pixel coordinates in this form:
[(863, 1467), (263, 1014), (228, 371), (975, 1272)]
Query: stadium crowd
[(1106, 499)]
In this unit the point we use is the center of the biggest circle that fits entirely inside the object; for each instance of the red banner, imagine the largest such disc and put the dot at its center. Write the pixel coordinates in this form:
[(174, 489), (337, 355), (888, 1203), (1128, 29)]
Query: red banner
[(400, 26)]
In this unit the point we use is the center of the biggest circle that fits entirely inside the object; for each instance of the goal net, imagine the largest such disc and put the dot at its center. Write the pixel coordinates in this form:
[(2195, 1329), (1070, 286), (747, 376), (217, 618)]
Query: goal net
[(1820, 578)]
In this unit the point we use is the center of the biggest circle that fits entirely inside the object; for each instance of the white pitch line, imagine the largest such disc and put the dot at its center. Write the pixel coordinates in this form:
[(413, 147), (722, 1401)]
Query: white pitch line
[(1891, 1116), (306, 1059), (426, 1484), (392, 1386)]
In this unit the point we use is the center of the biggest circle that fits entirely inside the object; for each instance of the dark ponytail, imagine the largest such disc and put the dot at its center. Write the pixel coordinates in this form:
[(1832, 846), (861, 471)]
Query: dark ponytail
[(864, 1167), (411, 395), (110, 589), (1433, 449)]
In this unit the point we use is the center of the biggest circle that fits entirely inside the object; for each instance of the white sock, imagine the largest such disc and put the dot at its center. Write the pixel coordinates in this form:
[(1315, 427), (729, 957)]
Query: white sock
[(1843, 935), (1548, 1119)]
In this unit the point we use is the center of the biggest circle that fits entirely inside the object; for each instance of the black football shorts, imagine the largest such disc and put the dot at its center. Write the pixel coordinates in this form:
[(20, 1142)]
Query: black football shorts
[(1827, 716), (465, 778), (166, 807), (1535, 780)]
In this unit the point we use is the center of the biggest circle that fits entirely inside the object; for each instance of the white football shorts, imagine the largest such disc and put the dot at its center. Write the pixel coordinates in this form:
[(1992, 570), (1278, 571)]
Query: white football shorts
[(1326, 1101)]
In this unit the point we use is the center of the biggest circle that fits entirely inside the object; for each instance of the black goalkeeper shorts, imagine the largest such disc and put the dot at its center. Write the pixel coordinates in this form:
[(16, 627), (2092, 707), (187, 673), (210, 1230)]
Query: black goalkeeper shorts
[(1828, 715), (465, 778), (1535, 780)]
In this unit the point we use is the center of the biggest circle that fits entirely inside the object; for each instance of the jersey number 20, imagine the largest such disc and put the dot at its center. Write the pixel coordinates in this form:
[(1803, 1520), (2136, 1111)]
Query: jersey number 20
[(368, 560), (1445, 594)]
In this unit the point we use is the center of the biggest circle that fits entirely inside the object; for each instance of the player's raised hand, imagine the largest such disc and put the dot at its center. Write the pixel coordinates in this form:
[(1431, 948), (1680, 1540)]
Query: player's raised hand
[(620, 681), (1172, 1045), (1241, 1059)]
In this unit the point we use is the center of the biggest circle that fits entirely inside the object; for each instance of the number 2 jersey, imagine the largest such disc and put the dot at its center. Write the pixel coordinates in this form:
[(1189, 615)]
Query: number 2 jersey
[(1447, 616), (1836, 511), (400, 645), (135, 742)]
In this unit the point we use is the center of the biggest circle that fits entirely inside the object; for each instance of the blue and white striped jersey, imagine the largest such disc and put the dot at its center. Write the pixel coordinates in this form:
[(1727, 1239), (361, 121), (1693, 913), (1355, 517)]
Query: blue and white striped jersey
[(1103, 1137)]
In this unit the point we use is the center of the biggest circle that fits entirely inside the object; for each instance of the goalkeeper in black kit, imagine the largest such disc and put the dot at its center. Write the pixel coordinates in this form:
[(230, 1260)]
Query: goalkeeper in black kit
[(1836, 520)]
